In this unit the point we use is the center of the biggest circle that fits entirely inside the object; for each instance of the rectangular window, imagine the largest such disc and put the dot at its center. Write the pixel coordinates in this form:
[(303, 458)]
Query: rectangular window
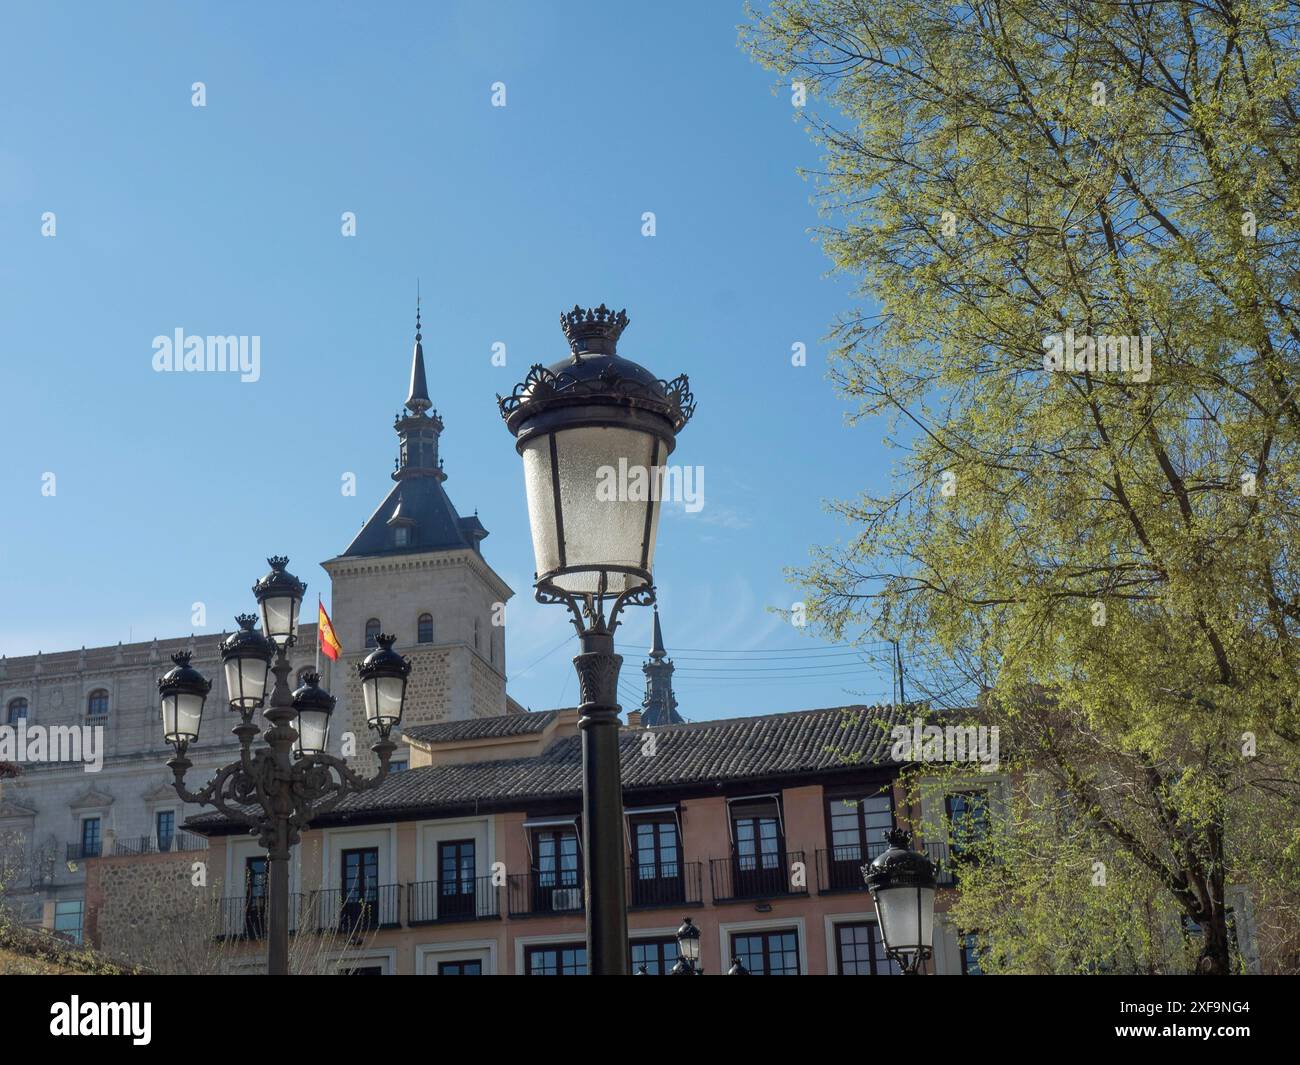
[(657, 955), (90, 838), (468, 967), (565, 959), (860, 951), (970, 955), (968, 821), (165, 823), (456, 877), (857, 823), (767, 953), (557, 872), (67, 919), (255, 894), (360, 889), (656, 862), (758, 849)]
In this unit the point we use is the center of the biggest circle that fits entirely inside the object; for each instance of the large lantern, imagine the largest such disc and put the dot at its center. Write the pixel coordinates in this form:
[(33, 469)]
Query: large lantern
[(183, 690), (314, 706), (688, 949), (595, 431), (279, 595), (901, 882), (383, 685), (246, 655)]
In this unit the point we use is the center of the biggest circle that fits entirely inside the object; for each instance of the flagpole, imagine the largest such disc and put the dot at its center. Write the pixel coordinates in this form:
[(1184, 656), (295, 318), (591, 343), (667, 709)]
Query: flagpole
[(318, 610)]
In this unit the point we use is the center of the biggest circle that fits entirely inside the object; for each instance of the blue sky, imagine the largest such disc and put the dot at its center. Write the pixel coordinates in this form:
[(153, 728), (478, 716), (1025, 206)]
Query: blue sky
[(172, 488)]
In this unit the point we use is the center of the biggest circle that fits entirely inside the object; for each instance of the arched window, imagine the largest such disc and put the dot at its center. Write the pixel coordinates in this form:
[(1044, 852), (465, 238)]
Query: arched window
[(476, 627), (372, 631), (424, 629), (17, 711), (492, 646), (97, 703)]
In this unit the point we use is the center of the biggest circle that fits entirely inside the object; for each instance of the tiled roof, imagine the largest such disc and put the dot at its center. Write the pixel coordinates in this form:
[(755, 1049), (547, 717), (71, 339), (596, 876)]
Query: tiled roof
[(804, 743), (482, 727), (436, 526)]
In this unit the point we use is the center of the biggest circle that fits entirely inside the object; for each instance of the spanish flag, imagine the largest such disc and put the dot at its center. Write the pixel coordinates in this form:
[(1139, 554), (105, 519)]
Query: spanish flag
[(328, 642)]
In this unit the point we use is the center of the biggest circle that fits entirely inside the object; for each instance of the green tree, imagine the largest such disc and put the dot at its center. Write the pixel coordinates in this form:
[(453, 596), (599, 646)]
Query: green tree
[(1103, 551)]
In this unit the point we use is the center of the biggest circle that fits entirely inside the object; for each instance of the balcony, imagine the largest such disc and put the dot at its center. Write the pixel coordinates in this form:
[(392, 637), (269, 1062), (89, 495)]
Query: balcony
[(755, 876), (350, 912), (544, 893), (175, 843), (443, 902), (79, 852), (840, 868), (668, 884)]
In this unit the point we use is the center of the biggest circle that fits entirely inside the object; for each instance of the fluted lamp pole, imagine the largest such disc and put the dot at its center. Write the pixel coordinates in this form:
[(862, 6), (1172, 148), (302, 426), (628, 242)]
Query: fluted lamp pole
[(279, 787), (594, 431)]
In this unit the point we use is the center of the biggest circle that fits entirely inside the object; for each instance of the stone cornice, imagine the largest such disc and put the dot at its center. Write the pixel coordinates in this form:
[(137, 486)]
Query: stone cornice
[(359, 565)]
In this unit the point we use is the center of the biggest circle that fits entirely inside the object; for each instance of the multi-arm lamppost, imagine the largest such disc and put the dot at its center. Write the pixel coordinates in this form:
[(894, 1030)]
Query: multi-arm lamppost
[(594, 431), (901, 882), (278, 788)]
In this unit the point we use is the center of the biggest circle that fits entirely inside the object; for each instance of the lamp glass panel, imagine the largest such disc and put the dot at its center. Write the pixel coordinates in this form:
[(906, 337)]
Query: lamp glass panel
[(181, 715), (906, 917), (689, 947), (280, 617), (313, 732), (246, 680)]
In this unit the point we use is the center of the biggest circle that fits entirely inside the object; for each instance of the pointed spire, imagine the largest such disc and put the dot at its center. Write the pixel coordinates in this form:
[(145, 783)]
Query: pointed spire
[(418, 401), (657, 651)]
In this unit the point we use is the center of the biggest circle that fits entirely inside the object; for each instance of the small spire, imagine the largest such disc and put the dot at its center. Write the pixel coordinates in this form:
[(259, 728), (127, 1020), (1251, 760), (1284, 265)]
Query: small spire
[(657, 651), (418, 401)]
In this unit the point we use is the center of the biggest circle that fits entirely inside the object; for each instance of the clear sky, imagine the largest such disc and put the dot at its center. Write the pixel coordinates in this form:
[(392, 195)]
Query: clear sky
[(226, 219)]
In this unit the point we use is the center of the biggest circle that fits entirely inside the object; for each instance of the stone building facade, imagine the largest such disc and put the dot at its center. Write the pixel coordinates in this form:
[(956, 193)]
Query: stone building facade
[(416, 570)]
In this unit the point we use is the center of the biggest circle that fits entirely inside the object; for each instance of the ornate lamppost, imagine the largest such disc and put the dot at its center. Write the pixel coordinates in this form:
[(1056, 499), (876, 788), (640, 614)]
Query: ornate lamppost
[(594, 431), (901, 882), (278, 788)]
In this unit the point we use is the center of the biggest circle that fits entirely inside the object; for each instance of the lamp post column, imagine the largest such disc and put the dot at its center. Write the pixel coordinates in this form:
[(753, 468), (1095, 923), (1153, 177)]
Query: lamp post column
[(602, 804), (278, 837)]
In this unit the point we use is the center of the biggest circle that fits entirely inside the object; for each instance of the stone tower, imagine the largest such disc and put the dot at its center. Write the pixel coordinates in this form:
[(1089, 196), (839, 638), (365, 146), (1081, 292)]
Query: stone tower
[(416, 570), (659, 707)]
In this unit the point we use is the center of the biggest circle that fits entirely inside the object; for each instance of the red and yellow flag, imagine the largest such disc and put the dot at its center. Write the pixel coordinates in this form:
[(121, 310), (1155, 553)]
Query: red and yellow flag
[(329, 643)]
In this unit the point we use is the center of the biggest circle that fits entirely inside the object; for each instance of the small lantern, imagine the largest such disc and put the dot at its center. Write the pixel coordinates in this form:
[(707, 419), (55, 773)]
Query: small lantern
[(279, 595), (688, 949), (595, 431), (901, 882), (246, 655), (737, 968), (183, 690), (314, 706), (383, 684)]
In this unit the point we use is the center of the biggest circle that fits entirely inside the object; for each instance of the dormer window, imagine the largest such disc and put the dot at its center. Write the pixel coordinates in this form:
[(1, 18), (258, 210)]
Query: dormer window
[(401, 536)]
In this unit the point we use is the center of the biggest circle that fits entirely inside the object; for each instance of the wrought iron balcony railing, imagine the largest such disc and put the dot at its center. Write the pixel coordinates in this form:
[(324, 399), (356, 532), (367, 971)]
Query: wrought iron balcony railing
[(246, 916), (840, 868), (546, 892), (443, 901), (758, 876), (356, 910), (78, 852), (664, 884)]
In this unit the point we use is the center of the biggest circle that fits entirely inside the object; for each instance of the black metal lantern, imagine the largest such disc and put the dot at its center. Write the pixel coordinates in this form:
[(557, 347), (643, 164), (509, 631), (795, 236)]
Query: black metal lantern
[(737, 968), (383, 684), (688, 949), (901, 882), (313, 705), (594, 431), (246, 655), (183, 690), (279, 595)]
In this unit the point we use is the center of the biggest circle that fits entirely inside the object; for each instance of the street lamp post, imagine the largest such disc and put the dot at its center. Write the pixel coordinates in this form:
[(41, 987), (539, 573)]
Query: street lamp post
[(277, 789), (901, 882), (594, 432)]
